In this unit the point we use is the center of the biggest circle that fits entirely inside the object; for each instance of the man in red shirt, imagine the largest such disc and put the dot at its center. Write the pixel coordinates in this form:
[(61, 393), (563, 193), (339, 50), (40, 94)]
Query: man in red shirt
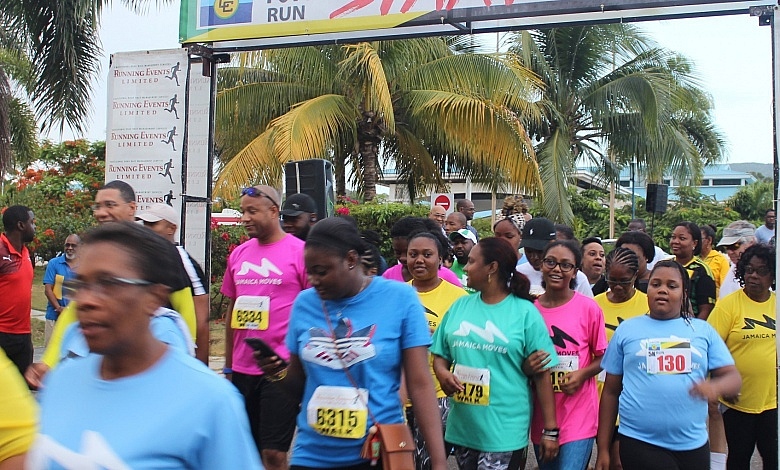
[(16, 277)]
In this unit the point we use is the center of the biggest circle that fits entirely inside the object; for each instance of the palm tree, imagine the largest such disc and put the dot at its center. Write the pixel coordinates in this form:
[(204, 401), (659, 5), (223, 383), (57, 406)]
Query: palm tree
[(610, 97), (18, 129), (414, 102)]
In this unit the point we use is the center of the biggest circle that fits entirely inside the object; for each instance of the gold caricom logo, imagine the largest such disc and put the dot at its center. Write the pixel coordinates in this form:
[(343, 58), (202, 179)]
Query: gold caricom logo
[(225, 8)]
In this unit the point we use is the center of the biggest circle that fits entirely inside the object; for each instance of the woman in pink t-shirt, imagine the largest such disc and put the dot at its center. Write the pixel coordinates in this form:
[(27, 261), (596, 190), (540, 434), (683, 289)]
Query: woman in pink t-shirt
[(576, 326)]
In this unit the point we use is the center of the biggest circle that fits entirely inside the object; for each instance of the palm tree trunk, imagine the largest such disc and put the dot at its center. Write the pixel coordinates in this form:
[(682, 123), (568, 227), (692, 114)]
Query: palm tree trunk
[(368, 155), (339, 168)]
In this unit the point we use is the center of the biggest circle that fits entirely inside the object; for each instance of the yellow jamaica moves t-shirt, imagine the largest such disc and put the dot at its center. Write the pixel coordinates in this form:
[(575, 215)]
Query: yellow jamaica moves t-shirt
[(748, 328), (18, 411), (436, 303)]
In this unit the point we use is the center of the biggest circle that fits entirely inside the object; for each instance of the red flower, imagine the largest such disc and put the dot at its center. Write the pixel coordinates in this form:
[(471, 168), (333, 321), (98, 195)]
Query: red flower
[(342, 211), (49, 232), (225, 236)]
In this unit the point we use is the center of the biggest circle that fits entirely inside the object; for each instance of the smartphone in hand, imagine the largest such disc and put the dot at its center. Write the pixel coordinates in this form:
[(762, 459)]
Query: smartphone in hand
[(265, 350)]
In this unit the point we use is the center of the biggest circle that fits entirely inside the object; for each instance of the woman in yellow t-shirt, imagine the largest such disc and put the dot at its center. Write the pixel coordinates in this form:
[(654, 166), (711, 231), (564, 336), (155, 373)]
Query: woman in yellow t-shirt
[(621, 302), (18, 416), (745, 319), (423, 259)]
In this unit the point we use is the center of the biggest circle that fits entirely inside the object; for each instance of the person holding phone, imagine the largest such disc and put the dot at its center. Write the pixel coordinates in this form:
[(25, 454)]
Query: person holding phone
[(350, 337)]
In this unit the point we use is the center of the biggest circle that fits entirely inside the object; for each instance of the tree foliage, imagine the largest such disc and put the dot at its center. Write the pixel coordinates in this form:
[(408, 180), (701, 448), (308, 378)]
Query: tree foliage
[(753, 200), (59, 188), (416, 103)]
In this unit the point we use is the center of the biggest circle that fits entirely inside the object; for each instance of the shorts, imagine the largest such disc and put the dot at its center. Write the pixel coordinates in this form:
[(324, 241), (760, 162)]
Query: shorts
[(18, 348), (473, 459), (270, 410)]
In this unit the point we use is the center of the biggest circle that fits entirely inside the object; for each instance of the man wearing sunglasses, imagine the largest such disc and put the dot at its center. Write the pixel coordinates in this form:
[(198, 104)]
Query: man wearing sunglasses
[(537, 234), (58, 270), (737, 237), (262, 279)]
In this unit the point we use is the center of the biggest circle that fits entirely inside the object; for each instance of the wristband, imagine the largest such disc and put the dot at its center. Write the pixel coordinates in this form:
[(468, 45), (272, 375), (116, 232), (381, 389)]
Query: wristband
[(227, 370), (549, 438), (554, 432)]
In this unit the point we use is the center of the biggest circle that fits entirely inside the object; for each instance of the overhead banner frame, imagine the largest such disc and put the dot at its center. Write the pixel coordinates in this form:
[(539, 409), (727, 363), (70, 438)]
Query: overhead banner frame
[(234, 25)]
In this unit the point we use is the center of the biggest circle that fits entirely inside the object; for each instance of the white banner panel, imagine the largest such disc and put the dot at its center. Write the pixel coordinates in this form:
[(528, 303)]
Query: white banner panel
[(145, 136)]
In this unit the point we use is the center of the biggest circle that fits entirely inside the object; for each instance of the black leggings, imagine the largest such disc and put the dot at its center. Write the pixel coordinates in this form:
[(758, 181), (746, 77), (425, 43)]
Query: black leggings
[(744, 431), (639, 455)]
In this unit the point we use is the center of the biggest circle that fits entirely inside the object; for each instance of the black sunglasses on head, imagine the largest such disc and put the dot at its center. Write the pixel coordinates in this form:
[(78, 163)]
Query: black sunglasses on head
[(254, 192)]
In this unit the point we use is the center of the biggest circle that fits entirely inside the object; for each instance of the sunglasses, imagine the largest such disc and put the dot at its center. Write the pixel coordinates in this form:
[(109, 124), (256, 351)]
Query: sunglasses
[(733, 247), (254, 192), (761, 270)]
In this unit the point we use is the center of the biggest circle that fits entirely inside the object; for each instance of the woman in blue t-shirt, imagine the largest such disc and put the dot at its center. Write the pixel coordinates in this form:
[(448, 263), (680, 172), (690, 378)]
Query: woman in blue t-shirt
[(349, 338), (658, 366)]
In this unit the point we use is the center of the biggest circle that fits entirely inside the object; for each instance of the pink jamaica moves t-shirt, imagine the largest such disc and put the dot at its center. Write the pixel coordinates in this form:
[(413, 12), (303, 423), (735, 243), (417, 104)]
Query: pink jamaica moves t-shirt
[(577, 331), (275, 272)]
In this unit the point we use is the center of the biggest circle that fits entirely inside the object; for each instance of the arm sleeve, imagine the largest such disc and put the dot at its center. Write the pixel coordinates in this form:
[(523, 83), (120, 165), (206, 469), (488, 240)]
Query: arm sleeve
[(718, 354), (612, 362), (48, 277), (538, 338), (182, 302), (415, 331), (52, 354), (583, 286), (721, 318), (598, 332), (229, 444)]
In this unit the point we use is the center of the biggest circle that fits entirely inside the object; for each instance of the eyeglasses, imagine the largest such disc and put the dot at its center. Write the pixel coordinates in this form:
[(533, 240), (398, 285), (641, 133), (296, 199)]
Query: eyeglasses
[(102, 287), (761, 270), (733, 247), (106, 204), (71, 245), (613, 282), (550, 263), (254, 192)]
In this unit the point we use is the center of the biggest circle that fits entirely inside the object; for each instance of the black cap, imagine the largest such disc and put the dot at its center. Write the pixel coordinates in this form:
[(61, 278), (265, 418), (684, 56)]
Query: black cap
[(298, 204), (537, 233)]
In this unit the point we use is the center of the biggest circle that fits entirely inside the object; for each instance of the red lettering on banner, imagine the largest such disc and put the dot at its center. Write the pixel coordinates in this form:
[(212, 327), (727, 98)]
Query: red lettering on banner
[(384, 8)]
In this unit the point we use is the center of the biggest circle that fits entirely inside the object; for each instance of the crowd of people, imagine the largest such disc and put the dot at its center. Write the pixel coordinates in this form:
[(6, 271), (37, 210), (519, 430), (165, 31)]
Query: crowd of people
[(487, 348)]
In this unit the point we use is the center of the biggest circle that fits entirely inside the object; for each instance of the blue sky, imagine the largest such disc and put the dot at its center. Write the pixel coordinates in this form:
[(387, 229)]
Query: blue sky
[(732, 55)]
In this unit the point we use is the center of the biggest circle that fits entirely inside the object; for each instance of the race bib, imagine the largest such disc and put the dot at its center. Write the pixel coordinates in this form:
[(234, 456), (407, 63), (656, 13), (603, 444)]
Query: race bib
[(338, 411), (668, 356), (476, 385), (250, 312), (565, 365)]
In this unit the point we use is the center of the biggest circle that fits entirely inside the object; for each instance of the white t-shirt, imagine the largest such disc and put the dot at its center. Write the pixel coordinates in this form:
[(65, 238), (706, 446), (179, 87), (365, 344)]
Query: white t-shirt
[(764, 234), (535, 277)]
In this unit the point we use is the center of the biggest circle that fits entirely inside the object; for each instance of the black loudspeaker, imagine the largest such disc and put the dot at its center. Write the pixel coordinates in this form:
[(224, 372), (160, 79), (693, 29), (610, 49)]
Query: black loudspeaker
[(657, 196), (313, 178)]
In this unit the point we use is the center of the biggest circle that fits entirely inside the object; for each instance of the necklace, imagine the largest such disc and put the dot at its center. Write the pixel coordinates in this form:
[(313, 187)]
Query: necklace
[(353, 299)]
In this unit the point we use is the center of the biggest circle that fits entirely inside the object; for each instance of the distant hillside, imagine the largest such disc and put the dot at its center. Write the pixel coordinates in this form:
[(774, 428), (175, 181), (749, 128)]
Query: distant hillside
[(763, 169)]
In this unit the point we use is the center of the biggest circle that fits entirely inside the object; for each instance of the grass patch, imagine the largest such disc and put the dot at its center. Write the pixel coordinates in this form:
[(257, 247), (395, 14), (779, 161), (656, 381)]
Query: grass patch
[(216, 338), (37, 332), (39, 301)]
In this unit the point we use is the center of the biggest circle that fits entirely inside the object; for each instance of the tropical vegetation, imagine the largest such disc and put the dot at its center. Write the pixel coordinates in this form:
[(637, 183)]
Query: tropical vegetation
[(419, 107), (611, 97)]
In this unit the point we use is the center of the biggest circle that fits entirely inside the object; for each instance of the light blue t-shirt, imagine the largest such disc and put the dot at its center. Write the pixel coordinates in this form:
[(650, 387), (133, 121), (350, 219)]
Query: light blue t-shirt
[(657, 408), (372, 329), (166, 325), (176, 414), (495, 340), (57, 267)]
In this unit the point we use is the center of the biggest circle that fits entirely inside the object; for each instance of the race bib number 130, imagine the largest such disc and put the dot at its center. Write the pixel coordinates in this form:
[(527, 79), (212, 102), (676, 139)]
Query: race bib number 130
[(250, 312), (668, 356)]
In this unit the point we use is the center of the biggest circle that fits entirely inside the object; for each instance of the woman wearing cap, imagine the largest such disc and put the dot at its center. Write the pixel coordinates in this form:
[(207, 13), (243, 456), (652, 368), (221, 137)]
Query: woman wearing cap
[(737, 237), (462, 241), (487, 336), (424, 259), (342, 351), (746, 321), (686, 246)]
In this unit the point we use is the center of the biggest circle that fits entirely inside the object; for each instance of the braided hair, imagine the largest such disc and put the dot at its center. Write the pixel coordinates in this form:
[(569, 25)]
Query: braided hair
[(624, 257), (686, 309), (765, 253)]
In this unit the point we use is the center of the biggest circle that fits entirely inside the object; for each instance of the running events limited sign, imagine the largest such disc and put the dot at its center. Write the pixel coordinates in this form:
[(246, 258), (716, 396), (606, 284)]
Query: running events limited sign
[(146, 106)]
